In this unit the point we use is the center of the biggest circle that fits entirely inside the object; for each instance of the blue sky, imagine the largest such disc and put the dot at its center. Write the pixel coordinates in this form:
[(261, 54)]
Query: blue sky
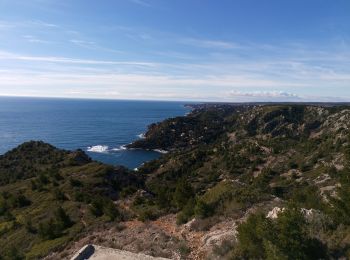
[(209, 50)]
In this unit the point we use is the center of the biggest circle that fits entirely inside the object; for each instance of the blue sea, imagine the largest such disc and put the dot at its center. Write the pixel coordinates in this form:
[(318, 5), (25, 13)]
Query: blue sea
[(99, 127)]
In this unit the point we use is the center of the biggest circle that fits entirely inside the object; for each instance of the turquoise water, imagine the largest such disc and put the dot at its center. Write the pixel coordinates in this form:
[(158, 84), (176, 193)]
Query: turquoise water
[(99, 127)]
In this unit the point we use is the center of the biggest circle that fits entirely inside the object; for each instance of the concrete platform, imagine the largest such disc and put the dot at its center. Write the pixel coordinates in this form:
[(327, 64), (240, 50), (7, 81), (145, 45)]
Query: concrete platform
[(94, 252)]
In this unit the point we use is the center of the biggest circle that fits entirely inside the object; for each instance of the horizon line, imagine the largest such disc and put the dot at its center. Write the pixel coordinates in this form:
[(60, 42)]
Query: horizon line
[(183, 101)]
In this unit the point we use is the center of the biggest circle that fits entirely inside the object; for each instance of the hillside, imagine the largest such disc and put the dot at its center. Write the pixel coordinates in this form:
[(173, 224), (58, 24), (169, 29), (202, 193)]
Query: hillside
[(49, 196), (262, 157), (240, 181)]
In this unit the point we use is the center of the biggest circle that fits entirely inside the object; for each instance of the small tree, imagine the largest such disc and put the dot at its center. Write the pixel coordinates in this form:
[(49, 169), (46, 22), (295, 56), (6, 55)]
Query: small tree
[(29, 226), (111, 210), (58, 194), (3, 206), (292, 237), (12, 254), (251, 237), (55, 226), (187, 212), (183, 193), (283, 238), (34, 185), (96, 207), (202, 209), (62, 219), (48, 230)]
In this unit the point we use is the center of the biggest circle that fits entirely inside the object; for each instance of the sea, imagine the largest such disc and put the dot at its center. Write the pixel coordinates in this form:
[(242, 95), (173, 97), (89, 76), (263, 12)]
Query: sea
[(101, 128)]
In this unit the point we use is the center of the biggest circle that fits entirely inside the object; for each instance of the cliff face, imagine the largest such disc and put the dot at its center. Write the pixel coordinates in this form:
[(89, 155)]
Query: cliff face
[(207, 123), (201, 126)]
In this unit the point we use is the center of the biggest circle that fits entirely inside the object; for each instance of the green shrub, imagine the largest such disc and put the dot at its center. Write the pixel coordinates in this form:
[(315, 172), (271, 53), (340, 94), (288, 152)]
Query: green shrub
[(187, 212), (251, 235), (127, 191), (54, 227), (147, 214), (183, 193), (18, 201), (43, 179), (202, 209), (11, 254), (48, 230), (58, 194), (75, 182), (307, 197), (96, 207), (104, 206), (62, 218), (184, 249), (284, 238), (111, 211)]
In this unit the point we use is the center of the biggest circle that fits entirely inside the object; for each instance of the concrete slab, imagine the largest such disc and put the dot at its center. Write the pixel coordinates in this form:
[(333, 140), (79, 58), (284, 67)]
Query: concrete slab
[(94, 252)]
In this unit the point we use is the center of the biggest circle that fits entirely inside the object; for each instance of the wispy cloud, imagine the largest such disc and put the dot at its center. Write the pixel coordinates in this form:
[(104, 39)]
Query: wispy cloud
[(34, 39), (41, 23), (276, 73), (53, 59), (267, 74), (141, 2), (101, 84), (6, 25), (204, 43), (92, 45), (281, 96), (26, 24)]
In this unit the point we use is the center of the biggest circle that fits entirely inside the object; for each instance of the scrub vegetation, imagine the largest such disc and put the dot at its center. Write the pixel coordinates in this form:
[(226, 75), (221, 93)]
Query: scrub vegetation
[(238, 162)]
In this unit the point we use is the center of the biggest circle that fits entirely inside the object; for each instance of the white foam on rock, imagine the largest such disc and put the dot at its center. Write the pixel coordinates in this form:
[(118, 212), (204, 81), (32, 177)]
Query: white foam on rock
[(98, 149), (120, 148), (160, 151), (141, 136)]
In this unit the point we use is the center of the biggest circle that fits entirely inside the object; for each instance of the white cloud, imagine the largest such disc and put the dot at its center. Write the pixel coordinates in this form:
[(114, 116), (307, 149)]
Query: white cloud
[(272, 94), (26, 24), (141, 2), (214, 44), (54, 59), (6, 25), (264, 96), (41, 24), (34, 39), (92, 45), (87, 44), (289, 77)]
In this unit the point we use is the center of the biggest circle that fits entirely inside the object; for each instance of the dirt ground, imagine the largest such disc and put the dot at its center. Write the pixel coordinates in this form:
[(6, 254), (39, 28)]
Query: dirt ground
[(159, 238)]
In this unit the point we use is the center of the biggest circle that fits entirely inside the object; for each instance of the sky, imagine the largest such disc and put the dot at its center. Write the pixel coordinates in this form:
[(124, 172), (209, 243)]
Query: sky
[(201, 50)]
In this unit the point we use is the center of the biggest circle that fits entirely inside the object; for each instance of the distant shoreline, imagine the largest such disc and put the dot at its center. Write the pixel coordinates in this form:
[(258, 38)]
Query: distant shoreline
[(213, 104)]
